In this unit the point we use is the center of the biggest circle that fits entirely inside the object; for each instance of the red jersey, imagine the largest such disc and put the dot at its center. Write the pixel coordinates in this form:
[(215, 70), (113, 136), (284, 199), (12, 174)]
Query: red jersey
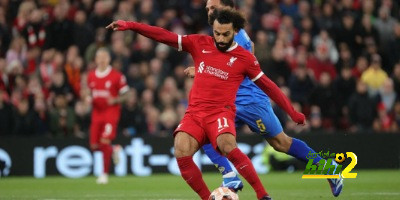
[(218, 74), (104, 85)]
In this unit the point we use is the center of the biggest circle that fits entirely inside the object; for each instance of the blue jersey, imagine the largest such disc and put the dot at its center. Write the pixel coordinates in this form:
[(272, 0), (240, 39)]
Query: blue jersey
[(248, 92)]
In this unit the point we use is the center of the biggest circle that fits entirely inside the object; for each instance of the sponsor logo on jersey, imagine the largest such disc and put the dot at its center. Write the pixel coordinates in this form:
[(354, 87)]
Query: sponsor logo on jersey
[(213, 71), (201, 67)]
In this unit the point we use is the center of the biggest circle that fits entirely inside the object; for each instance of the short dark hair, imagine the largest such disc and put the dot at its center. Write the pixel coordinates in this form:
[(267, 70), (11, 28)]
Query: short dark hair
[(227, 16), (229, 3)]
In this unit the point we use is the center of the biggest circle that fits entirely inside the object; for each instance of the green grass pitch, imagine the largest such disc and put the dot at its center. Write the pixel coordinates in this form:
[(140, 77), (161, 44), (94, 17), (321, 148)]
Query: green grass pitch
[(382, 184)]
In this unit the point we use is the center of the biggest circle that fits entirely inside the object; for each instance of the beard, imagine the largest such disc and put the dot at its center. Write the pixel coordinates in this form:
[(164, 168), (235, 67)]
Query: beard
[(222, 46)]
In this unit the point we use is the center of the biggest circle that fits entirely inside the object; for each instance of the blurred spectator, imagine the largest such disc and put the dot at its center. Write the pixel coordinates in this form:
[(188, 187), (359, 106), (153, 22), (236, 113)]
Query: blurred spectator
[(395, 46), (301, 85), (396, 116), (5, 32), (262, 49), (288, 7), (62, 118), (168, 122), (385, 25), (73, 67), (315, 119), (41, 111), (277, 68), (361, 109), (60, 87), (303, 11), (24, 10), (82, 34), (81, 127), (99, 41), (35, 30), (6, 111), (100, 17), (153, 121), (345, 57), (59, 32), (325, 53), (328, 20), (25, 120), (387, 95), (384, 122), (324, 96), (347, 33), (17, 51), (361, 65), (3, 75), (374, 76), (367, 30), (396, 78), (345, 85), (325, 47), (132, 121)]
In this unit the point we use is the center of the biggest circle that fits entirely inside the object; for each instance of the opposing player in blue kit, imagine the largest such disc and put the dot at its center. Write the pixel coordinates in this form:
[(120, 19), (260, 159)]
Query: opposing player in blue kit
[(254, 109)]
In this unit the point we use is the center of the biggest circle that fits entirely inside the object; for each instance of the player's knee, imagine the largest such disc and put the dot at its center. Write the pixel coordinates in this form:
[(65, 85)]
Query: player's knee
[(105, 141), (281, 144), (94, 147), (226, 143), (184, 146)]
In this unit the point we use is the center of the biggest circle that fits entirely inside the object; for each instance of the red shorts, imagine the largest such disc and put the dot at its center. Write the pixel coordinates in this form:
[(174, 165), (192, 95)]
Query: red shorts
[(102, 129), (205, 128)]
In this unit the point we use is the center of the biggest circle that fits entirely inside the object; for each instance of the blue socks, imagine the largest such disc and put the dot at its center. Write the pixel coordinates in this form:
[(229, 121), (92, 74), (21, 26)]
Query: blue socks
[(219, 161), (300, 150)]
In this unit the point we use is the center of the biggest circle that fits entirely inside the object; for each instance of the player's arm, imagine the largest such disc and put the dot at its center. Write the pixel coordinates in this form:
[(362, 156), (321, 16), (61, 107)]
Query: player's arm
[(189, 71), (123, 92), (122, 97), (273, 91), (153, 32), (253, 50)]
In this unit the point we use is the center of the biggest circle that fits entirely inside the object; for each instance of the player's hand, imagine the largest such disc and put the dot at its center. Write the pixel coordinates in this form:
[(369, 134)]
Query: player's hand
[(119, 25), (112, 101), (299, 118), (189, 72)]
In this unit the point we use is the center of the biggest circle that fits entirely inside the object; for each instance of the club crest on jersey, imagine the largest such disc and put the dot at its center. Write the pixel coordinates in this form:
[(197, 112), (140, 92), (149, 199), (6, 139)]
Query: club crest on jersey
[(231, 61), (108, 84)]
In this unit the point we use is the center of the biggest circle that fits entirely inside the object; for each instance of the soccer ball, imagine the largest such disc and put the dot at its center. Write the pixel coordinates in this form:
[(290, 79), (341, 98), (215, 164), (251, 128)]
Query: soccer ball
[(223, 193)]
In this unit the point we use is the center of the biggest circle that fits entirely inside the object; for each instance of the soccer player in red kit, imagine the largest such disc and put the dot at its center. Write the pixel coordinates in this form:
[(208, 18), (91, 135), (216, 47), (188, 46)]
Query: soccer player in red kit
[(221, 65), (108, 89)]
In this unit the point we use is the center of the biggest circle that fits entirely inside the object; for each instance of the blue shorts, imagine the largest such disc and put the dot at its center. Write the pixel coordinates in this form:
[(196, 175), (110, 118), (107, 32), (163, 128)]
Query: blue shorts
[(260, 118)]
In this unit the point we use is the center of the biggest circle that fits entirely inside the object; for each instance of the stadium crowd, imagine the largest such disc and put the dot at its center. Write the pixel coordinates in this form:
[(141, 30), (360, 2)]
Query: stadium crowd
[(337, 60)]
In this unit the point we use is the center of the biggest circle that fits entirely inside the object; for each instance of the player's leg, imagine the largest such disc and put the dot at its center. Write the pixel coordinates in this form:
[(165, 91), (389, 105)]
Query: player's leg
[(188, 138), (96, 129), (222, 134), (227, 144), (185, 147), (108, 134), (230, 178), (263, 120)]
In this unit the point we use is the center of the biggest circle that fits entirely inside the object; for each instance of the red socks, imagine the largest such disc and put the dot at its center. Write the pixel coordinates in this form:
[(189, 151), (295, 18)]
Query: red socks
[(106, 149), (192, 175), (245, 168)]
